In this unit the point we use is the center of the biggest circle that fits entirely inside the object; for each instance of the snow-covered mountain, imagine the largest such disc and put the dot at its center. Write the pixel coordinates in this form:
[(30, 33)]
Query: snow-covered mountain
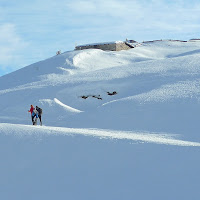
[(138, 108)]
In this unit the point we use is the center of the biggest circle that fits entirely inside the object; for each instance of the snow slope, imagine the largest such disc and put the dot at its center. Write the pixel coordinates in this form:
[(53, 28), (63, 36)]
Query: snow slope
[(139, 110)]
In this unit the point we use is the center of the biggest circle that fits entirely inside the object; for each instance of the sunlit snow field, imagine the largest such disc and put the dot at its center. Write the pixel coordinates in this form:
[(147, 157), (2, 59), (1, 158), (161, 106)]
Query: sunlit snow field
[(116, 125)]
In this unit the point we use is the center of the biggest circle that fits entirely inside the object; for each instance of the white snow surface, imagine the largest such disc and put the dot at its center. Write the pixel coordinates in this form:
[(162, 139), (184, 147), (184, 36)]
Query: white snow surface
[(116, 125)]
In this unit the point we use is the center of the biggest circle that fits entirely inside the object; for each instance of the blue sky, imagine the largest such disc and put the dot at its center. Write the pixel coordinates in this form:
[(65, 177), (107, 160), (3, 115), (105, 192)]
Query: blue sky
[(31, 31)]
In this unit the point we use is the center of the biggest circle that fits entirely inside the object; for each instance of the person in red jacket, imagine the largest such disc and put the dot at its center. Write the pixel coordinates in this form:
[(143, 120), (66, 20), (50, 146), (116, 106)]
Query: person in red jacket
[(31, 111)]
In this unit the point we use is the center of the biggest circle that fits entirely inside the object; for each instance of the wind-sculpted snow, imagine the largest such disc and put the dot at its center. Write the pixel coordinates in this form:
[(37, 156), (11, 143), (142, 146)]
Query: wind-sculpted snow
[(180, 90), (169, 68), (66, 107), (97, 65), (24, 130)]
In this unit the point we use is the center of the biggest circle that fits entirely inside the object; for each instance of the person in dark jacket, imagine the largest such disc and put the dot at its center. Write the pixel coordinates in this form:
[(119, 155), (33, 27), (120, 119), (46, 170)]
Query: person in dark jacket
[(39, 114)]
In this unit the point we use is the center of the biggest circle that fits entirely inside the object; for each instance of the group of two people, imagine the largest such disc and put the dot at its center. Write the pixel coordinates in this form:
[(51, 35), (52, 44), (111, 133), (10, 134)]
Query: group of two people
[(35, 114)]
